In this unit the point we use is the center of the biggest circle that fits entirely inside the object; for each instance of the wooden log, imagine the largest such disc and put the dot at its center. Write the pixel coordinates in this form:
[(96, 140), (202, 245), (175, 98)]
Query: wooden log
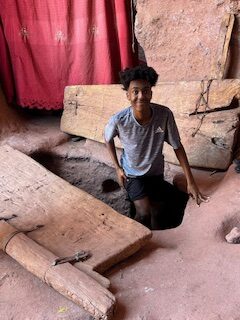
[(64, 278), (88, 108), (8, 232)]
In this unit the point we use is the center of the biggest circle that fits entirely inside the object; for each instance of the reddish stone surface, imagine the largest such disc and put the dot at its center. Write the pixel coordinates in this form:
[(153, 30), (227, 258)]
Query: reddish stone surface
[(180, 38), (183, 273)]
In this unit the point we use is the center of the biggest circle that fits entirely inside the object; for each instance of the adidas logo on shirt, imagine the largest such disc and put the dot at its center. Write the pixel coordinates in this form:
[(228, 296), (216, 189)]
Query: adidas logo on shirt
[(159, 129)]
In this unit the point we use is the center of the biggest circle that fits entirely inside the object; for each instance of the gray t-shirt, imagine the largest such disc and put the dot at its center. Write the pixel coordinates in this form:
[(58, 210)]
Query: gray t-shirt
[(143, 144)]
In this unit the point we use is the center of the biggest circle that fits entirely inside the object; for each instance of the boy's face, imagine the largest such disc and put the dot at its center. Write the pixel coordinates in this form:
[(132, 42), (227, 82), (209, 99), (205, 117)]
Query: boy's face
[(139, 94)]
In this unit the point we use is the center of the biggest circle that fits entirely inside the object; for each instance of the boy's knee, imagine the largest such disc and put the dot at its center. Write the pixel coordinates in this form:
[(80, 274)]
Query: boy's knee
[(143, 211), (143, 206)]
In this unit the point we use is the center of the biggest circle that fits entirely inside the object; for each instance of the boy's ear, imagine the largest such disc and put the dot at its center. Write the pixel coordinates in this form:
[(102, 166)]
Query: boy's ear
[(128, 96)]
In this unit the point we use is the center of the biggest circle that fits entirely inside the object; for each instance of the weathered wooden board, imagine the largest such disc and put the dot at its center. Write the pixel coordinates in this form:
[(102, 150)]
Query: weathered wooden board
[(225, 32), (65, 278), (88, 108), (73, 220)]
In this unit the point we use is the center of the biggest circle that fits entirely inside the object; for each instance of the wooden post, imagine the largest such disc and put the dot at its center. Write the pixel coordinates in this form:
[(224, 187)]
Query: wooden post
[(64, 278)]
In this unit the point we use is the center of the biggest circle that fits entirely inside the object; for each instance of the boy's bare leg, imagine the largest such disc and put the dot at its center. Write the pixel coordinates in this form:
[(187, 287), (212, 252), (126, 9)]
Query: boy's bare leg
[(143, 211)]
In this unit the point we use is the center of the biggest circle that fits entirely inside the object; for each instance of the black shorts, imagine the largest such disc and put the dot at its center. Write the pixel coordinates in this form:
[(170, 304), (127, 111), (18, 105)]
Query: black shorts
[(173, 201), (154, 187)]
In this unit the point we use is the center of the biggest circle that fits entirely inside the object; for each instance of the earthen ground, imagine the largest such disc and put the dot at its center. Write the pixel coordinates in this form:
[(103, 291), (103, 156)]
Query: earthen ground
[(186, 273)]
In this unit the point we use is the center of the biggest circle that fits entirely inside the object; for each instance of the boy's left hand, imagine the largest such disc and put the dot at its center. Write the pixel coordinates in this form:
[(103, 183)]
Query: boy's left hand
[(194, 192)]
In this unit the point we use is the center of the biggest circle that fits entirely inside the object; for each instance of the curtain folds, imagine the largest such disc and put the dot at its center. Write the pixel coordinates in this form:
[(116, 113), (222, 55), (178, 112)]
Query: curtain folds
[(46, 45)]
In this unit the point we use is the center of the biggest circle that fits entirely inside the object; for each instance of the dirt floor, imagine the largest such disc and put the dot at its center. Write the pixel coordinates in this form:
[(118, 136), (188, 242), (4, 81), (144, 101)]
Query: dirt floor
[(90, 175), (186, 273)]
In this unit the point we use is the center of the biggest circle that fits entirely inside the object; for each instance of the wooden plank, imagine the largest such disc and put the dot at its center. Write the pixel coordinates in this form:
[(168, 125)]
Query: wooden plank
[(216, 134), (97, 103), (219, 66), (65, 278), (87, 109), (73, 220), (211, 147)]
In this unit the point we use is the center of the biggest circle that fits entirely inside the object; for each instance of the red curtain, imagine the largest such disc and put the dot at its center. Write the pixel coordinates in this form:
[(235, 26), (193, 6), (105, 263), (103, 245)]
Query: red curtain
[(46, 45)]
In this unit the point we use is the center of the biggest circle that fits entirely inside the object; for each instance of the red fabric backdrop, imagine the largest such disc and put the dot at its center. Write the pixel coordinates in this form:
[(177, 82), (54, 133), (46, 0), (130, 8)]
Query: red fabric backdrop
[(48, 44)]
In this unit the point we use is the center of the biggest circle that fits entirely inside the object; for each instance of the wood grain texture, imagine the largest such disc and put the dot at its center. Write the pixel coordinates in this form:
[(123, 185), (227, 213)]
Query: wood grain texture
[(65, 278), (88, 108), (73, 220)]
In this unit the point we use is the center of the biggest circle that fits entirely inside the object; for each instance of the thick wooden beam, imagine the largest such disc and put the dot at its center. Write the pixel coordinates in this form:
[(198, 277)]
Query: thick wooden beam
[(64, 278), (88, 108), (73, 219)]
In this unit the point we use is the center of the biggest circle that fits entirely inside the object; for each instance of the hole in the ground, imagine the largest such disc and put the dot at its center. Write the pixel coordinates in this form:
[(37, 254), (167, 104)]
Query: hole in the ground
[(110, 185), (90, 176)]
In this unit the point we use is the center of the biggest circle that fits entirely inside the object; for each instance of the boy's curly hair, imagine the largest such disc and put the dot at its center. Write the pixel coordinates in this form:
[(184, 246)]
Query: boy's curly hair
[(141, 72)]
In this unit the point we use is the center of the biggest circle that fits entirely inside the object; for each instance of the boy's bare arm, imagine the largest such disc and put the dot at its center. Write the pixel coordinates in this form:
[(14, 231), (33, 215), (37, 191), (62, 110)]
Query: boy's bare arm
[(192, 188), (112, 151)]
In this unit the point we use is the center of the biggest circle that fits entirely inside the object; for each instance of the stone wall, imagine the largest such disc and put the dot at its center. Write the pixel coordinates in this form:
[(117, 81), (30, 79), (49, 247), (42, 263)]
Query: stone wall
[(180, 38)]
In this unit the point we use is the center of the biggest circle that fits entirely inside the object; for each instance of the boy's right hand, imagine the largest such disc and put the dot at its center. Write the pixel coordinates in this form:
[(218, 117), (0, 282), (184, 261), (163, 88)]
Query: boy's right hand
[(121, 176)]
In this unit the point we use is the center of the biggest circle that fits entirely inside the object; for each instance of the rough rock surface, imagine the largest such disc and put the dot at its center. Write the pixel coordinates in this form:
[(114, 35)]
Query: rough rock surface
[(11, 119), (40, 135), (233, 236), (183, 273), (180, 38)]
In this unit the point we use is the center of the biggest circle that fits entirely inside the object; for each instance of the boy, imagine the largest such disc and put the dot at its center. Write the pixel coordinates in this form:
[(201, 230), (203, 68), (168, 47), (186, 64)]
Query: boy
[(142, 128)]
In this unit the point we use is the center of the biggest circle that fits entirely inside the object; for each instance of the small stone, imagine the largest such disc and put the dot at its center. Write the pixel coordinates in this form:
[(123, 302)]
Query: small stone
[(233, 236), (147, 289)]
